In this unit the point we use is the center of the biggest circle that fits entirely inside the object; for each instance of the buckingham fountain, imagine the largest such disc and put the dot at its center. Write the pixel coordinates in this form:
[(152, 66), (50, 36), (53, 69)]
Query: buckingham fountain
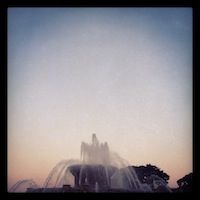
[(98, 170)]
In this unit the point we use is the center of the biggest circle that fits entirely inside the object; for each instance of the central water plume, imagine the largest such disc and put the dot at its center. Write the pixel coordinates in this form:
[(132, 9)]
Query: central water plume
[(95, 153)]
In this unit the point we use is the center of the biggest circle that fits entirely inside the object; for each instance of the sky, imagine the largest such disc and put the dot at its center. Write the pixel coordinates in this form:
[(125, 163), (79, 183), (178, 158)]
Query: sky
[(122, 73)]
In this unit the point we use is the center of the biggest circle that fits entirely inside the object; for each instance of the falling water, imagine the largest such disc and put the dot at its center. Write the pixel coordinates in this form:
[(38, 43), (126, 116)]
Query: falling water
[(22, 185), (96, 187)]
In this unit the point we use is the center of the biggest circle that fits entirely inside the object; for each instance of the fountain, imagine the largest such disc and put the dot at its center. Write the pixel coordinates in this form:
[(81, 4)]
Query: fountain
[(98, 170)]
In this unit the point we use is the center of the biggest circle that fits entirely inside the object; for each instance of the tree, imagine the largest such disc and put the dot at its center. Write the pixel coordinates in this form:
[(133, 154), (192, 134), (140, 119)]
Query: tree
[(144, 173), (185, 183)]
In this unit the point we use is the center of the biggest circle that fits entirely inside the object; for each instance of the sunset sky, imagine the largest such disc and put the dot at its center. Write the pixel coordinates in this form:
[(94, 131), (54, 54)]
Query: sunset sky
[(122, 73)]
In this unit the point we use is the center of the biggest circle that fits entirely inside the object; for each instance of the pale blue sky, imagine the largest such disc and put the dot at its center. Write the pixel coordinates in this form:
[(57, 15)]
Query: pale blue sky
[(122, 73)]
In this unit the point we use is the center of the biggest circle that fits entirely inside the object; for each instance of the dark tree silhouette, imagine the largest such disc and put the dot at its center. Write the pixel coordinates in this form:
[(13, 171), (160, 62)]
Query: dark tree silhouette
[(144, 172), (185, 183)]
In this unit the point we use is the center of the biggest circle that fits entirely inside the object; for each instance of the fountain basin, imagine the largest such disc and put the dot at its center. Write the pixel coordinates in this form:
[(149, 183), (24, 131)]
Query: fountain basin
[(92, 175)]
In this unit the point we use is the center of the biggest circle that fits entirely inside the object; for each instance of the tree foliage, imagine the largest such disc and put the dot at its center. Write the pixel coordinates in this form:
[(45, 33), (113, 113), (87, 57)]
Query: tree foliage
[(185, 183), (144, 172)]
